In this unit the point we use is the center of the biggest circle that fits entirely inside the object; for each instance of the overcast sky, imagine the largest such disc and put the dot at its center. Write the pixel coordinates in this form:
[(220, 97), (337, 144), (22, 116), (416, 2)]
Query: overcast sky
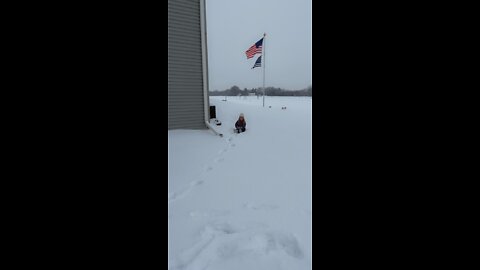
[(235, 25)]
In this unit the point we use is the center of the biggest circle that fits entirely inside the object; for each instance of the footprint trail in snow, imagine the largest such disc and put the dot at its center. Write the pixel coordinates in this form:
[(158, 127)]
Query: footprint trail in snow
[(173, 196)]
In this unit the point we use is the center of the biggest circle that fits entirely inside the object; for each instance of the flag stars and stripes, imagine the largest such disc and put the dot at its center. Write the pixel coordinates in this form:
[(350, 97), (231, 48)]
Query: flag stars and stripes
[(258, 63), (254, 49)]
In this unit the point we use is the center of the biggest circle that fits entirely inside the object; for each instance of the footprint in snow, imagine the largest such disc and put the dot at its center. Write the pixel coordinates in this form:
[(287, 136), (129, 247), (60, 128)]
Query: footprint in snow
[(174, 196), (196, 183), (218, 160)]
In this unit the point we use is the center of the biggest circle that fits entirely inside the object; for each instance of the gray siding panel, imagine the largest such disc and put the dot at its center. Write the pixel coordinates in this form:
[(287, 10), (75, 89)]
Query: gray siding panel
[(185, 77)]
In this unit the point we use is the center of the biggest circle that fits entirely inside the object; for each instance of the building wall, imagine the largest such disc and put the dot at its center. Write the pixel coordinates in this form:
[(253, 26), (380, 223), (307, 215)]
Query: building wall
[(185, 72)]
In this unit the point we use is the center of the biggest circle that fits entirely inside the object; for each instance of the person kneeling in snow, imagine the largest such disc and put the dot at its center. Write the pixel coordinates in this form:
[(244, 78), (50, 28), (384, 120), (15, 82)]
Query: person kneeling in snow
[(240, 124)]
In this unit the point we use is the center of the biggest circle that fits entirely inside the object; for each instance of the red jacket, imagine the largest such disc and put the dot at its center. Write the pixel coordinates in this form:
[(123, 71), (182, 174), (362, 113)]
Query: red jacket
[(240, 124)]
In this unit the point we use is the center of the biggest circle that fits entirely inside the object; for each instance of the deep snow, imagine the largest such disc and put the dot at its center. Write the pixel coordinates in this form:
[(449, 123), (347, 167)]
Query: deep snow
[(243, 201)]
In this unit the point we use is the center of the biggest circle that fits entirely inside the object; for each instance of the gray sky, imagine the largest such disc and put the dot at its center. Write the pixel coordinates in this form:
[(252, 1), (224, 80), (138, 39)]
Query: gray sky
[(235, 25)]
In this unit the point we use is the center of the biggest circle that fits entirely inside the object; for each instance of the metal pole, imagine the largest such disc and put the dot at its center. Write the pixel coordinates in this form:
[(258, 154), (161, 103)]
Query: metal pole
[(263, 56)]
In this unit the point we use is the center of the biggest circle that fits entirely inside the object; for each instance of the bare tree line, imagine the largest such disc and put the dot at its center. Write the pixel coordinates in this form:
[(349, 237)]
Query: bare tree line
[(269, 91)]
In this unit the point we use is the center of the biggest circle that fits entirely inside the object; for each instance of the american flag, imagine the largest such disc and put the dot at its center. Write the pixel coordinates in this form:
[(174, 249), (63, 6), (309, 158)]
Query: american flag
[(256, 48), (258, 63)]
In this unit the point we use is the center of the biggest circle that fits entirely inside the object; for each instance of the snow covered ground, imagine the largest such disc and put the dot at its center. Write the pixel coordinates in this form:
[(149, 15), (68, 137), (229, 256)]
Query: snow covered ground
[(243, 201)]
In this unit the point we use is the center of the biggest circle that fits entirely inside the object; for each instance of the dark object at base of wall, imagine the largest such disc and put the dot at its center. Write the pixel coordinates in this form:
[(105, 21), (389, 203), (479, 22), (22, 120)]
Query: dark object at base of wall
[(213, 113)]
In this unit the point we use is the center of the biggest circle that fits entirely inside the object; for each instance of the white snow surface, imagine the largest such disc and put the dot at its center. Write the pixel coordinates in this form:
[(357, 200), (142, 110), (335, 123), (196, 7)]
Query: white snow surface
[(243, 201)]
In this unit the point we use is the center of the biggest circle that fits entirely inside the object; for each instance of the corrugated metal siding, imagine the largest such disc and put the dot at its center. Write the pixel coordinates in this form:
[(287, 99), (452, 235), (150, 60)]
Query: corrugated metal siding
[(185, 81)]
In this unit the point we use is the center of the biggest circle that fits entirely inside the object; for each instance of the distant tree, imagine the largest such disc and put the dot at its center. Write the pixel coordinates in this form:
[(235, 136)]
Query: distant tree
[(235, 91)]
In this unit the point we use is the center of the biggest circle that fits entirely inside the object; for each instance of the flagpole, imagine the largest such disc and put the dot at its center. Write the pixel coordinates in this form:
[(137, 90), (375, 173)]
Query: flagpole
[(263, 56)]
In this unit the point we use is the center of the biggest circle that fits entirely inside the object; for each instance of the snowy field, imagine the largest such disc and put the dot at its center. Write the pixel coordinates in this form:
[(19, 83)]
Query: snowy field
[(243, 201)]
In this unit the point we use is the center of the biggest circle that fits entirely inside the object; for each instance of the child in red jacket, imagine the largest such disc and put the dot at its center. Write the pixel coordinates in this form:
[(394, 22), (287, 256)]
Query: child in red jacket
[(240, 125)]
